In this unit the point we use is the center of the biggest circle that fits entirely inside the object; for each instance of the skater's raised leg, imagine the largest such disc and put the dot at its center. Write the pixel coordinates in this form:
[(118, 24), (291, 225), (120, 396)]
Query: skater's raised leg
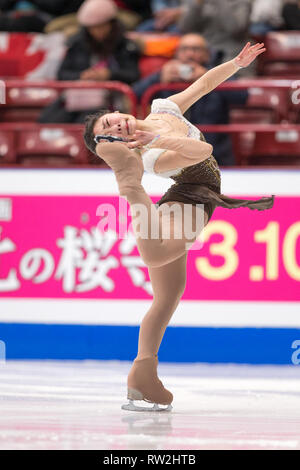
[(165, 224)]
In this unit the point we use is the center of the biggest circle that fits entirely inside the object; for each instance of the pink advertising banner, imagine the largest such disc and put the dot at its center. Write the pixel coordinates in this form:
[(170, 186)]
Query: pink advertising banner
[(50, 247)]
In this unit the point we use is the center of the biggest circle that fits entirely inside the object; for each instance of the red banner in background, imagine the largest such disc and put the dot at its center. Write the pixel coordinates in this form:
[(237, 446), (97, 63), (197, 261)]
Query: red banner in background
[(31, 56)]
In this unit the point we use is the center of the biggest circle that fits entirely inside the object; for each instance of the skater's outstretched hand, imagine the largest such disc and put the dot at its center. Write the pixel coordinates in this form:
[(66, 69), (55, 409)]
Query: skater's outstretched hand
[(249, 54)]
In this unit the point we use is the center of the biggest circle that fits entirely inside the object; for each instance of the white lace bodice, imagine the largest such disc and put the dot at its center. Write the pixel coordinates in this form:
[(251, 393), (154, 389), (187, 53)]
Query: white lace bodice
[(161, 106)]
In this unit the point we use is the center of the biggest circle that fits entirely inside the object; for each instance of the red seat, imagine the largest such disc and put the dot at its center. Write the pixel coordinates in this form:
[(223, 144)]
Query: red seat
[(25, 104), (51, 147), (268, 148), (284, 70), (274, 100), (282, 46), (263, 106), (42, 146), (282, 56), (7, 147), (252, 116)]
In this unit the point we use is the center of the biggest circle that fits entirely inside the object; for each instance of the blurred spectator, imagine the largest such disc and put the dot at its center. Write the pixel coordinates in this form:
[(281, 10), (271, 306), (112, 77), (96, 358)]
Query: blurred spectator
[(33, 15), (223, 23), (193, 59), (266, 16), (291, 15), (57, 7), (99, 52), (166, 15), (132, 12), (62, 15)]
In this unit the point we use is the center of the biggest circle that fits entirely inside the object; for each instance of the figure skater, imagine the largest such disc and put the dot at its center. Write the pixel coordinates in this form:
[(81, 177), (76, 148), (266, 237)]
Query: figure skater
[(168, 145)]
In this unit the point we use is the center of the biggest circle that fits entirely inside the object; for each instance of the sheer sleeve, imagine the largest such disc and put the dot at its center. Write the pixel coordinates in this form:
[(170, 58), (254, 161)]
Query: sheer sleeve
[(191, 146), (186, 146)]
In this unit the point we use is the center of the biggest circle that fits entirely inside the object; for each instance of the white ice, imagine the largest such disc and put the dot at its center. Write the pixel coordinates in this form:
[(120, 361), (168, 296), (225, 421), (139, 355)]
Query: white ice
[(77, 405)]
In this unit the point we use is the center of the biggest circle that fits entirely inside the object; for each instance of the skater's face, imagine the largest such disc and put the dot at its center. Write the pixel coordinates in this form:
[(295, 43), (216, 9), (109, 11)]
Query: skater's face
[(116, 124)]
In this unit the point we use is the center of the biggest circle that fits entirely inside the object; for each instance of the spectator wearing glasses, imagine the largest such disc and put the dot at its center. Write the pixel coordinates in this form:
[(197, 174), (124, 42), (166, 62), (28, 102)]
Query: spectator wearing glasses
[(192, 60)]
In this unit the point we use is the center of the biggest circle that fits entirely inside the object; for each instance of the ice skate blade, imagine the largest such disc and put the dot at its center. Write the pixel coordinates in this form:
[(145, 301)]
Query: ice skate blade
[(155, 408)]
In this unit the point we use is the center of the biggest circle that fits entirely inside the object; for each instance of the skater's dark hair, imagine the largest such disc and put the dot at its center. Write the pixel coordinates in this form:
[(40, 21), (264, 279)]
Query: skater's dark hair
[(89, 135)]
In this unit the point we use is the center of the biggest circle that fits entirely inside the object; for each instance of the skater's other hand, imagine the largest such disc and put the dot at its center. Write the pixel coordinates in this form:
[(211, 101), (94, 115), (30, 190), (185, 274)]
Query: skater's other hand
[(249, 54), (140, 138)]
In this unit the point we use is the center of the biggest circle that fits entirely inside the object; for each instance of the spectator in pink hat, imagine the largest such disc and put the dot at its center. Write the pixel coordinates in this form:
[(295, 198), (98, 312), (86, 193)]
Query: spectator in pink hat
[(100, 51)]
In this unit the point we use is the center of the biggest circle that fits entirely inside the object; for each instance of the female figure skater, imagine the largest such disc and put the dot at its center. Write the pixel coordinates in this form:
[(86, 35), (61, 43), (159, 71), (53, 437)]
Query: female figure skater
[(166, 144)]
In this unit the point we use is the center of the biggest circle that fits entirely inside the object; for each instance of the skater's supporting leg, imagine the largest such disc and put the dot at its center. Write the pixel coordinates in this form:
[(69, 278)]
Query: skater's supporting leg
[(168, 284)]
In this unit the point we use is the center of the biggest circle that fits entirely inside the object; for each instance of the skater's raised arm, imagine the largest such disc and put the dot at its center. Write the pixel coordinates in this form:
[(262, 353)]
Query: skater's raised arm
[(214, 77)]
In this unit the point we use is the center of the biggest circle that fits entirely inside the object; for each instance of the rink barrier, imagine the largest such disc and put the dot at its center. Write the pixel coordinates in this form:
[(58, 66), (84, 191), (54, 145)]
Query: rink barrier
[(180, 344)]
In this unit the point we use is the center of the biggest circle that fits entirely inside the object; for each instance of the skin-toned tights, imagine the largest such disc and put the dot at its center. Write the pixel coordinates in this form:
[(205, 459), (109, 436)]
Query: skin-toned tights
[(165, 256), (168, 284)]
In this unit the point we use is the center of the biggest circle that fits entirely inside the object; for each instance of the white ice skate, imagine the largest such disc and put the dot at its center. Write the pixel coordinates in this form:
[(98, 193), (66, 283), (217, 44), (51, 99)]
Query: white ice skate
[(151, 406), (144, 385)]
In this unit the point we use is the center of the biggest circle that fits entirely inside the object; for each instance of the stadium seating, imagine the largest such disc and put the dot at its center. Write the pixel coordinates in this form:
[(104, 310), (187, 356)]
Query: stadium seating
[(25, 100), (157, 49), (62, 145), (49, 144), (149, 65), (7, 147), (25, 104), (268, 148), (263, 106), (282, 57), (33, 145)]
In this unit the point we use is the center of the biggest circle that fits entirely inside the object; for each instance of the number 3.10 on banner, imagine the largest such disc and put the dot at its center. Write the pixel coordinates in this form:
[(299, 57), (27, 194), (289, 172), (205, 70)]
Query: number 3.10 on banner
[(227, 249)]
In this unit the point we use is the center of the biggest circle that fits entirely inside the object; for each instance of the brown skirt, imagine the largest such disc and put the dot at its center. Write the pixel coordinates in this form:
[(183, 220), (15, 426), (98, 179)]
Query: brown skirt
[(191, 193)]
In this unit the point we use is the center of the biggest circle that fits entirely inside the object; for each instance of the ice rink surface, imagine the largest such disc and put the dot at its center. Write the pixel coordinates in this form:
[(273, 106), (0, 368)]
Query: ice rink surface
[(77, 405)]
